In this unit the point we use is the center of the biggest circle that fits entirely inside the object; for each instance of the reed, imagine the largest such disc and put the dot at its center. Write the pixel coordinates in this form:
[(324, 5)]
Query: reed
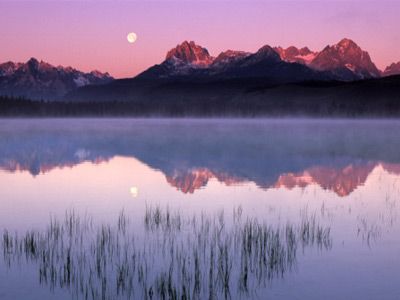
[(172, 256)]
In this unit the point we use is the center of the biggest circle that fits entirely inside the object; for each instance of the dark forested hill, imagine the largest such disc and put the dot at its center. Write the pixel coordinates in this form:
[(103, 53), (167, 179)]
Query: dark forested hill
[(250, 97)]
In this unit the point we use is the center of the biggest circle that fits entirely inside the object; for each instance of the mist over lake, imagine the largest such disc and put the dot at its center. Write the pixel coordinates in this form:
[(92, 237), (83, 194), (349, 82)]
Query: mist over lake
[(199, 208)]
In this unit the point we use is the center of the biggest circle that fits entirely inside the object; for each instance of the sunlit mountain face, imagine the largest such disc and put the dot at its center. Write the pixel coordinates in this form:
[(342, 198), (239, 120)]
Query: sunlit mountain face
[(342, 61), (340, 80), (191, 154), (393, 69)]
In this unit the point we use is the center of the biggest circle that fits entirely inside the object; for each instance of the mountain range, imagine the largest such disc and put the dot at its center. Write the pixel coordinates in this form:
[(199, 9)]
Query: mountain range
[(192, 81), (189, 61), (344, 61), (40, 80), (339, 80)]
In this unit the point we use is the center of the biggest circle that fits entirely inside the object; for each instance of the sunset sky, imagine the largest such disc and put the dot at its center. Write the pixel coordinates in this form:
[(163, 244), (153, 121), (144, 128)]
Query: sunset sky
[(91, 34)]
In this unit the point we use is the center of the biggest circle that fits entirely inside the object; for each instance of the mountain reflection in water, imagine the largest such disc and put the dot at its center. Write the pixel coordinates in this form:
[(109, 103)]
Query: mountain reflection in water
[(336, 155), (213, 209)]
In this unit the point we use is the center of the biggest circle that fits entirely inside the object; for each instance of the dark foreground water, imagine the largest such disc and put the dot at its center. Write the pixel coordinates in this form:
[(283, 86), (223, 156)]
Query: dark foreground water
[(199, 209)]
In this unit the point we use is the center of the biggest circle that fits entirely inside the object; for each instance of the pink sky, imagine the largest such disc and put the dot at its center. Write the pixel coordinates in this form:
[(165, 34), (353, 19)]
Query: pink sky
[(91, 34)]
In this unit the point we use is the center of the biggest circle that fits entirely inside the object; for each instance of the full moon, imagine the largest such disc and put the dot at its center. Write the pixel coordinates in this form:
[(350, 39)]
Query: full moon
[(131, 37), (134, 191)]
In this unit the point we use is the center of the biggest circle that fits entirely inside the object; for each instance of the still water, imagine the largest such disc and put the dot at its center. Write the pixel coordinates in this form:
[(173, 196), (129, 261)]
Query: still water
[(199, 209)]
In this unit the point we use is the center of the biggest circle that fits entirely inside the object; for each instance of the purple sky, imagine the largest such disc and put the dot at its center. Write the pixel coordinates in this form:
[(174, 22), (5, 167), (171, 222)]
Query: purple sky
[(91, 34)]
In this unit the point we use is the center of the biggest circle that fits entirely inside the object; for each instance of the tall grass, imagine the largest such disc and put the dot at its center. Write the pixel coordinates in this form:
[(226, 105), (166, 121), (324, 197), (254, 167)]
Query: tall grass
[(171, 256)]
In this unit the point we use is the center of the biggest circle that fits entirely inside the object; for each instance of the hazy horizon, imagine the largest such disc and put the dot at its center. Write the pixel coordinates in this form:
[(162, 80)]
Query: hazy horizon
[(90, 35)]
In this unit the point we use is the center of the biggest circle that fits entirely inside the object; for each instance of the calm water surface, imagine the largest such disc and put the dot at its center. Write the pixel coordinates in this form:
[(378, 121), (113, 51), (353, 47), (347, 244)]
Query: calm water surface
[(202, 209)]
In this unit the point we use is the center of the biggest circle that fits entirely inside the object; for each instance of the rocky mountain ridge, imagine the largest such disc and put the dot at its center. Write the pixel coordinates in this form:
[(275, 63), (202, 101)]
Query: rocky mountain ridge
[(344, 61), (41, 80)]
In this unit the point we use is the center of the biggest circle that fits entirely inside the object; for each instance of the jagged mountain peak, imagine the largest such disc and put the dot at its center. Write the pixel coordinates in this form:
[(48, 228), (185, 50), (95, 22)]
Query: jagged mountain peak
[(347, 47), (40, 80), (393, 69), (347, 60), (266, 49), (190, 53), (229, 56), (232, 53), (35, 65), (99, 74), (267, 52), (8, 68), (33, 60), (293, 54), (346, 42), (292, 50), (305, 51)]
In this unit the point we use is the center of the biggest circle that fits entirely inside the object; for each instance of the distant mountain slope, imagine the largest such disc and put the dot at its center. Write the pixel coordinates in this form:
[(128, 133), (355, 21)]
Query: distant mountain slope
[(393, 69), (40, 80)]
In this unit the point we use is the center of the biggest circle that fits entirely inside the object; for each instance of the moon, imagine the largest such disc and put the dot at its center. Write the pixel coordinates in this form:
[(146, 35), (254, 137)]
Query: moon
[(131, 37), (134, 191)]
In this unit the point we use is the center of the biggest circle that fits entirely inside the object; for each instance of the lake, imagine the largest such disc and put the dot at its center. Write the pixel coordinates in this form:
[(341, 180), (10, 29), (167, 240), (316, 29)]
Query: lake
[(196, 209)]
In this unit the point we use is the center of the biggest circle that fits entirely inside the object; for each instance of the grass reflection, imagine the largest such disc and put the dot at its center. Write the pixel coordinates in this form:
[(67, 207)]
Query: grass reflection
[(169, 256)]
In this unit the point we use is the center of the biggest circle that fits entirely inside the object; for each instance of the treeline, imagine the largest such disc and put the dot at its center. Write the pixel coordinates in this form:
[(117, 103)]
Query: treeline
[(21, 107), (363, 99)]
